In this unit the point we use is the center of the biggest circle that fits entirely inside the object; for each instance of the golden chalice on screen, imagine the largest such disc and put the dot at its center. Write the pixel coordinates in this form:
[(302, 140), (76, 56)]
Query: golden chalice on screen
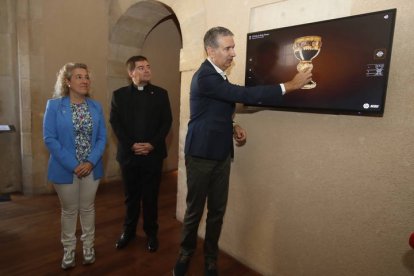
[(305, 49)]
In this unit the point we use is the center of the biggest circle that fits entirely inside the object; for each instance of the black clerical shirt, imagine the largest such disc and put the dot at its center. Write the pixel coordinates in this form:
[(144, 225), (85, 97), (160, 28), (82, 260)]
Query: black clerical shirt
[(140, 116)]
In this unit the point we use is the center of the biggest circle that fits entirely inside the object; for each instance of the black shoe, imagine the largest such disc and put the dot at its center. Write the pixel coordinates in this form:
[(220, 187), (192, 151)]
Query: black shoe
[(152, 244), (124, 240), (181, 266), (211, 269)]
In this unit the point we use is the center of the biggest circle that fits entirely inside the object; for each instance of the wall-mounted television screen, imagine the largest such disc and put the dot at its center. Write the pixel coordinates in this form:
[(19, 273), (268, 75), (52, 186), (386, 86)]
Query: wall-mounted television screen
[(349, 58)]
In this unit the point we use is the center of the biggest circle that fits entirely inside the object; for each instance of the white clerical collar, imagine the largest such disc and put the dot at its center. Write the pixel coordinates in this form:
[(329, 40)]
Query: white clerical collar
[(221, 72), (139, 87)]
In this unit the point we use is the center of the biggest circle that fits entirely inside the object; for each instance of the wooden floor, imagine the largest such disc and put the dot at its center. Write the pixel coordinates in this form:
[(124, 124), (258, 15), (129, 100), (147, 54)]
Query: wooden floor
[(30, 238)]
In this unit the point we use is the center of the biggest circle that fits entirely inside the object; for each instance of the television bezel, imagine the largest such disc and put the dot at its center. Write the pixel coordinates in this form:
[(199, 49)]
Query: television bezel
[(335, 111)]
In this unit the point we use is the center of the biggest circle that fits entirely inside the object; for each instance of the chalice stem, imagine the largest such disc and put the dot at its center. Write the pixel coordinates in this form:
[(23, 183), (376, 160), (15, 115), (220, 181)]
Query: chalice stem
[(306, 66)]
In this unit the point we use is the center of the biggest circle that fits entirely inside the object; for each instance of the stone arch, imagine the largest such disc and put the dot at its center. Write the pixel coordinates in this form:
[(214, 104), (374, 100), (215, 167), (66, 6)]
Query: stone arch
[(128, 32), (137, 17), (127, 37), (192, 19)]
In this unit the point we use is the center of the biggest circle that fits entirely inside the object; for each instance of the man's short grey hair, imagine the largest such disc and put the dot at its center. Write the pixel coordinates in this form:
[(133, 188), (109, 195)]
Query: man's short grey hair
[(210, 38)]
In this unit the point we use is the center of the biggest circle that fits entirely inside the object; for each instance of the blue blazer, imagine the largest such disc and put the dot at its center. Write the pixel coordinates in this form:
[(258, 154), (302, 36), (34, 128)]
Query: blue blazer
[(212, 103), (59, 138)]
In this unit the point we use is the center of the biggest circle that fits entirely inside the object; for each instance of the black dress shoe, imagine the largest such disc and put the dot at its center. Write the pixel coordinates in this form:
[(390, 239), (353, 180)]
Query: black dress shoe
[(211, 269), (181, 266), (152, 244), (124, 240)]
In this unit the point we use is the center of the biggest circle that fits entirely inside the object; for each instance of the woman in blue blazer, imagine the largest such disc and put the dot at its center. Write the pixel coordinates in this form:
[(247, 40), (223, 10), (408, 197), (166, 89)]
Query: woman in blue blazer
[(75, 134)]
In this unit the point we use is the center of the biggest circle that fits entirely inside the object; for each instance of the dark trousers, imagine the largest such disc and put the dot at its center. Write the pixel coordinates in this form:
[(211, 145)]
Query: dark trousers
[(207, 180), (141, 186)]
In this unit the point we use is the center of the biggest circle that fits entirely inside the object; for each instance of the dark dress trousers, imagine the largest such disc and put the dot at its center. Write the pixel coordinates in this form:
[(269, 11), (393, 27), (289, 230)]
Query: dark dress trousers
[(141, 116), (208, 148)]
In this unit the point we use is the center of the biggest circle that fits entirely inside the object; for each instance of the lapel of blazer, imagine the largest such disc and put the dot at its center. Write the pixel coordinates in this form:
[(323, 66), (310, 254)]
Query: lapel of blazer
[(66, 113), (66, 110)]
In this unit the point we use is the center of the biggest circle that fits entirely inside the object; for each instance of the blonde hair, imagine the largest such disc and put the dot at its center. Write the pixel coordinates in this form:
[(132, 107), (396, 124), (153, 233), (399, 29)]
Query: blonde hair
[(65, 73)]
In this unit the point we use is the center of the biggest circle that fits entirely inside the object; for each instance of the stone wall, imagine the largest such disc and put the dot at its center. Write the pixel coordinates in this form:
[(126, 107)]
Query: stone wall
[(10, 168)]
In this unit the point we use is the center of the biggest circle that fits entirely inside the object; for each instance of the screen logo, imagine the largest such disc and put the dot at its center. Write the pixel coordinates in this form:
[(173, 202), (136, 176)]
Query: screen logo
[(370, 106)]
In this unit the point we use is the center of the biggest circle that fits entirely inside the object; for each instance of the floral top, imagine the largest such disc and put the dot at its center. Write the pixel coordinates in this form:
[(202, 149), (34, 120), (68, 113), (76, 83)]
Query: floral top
[(83, 125)]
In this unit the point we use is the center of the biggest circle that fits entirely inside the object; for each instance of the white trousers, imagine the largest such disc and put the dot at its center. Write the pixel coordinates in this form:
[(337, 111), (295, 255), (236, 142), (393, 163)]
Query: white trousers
[(78, 198)]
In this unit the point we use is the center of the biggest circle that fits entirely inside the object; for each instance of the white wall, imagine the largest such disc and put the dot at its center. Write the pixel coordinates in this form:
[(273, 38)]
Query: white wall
[(316, 194)]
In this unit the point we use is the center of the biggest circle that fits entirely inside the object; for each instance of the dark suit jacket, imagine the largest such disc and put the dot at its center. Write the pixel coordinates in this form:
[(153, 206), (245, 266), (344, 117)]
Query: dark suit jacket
[(155, 123), (210, 130)]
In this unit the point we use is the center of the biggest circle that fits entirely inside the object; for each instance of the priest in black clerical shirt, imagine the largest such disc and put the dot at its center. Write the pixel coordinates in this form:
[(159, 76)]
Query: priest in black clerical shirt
[(141, 119)]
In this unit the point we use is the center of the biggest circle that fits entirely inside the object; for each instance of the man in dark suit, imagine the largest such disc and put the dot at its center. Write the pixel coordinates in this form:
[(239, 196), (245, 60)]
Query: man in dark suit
[(209, 144), (141, 119)]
